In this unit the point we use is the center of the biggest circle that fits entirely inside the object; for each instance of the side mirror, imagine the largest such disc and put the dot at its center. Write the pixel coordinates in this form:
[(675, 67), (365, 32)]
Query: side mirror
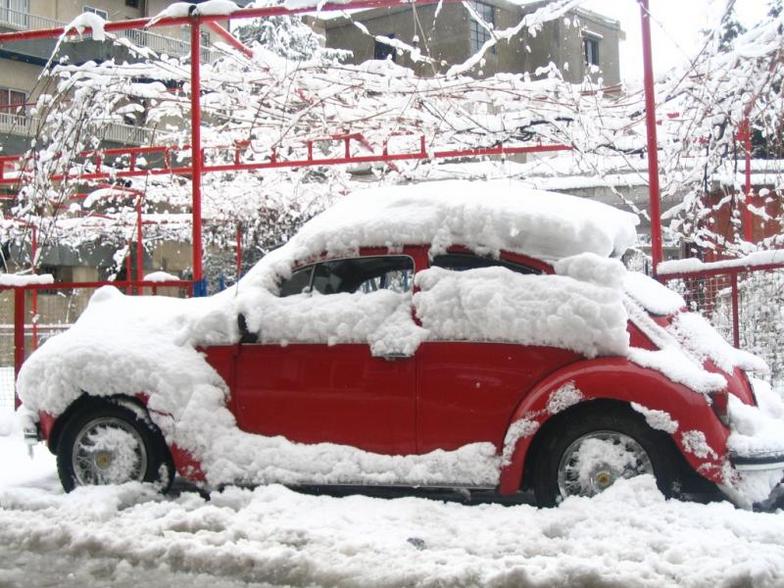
[(245, 335)]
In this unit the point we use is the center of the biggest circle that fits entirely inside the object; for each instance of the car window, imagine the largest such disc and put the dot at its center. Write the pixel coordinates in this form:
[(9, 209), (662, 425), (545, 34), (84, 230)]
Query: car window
[(364, 274), (465, 261), (297, 283)]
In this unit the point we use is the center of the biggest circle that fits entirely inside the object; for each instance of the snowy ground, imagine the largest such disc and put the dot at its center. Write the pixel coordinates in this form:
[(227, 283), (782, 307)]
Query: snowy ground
[(124, 536)]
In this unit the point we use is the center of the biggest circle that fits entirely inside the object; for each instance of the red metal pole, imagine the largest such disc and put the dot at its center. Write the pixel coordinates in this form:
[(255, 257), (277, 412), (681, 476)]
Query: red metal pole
[(735, 311), (34, 293), (747, 220), (239, 250), (196, 155), (139, 243), (229, 38), (128, 272), (19, 336), (654, 195)]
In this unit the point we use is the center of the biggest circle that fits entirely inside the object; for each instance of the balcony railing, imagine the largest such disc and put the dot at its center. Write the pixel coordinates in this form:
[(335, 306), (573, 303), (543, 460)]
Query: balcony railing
[(171, 46), (26, 126)]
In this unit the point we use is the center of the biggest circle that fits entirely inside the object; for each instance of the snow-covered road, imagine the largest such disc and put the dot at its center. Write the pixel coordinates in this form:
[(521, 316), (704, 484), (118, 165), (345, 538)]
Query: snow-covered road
[(129, 535)]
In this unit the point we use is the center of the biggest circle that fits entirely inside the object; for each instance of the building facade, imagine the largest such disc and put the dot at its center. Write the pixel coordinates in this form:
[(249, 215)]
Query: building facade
[(581, 44)]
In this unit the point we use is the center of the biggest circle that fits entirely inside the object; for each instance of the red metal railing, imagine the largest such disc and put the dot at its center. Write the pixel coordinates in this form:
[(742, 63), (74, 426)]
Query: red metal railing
[(744, 303), (54, 307)]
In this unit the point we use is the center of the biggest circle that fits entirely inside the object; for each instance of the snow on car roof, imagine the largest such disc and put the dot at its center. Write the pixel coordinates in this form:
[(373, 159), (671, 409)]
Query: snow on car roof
[(487, 216)]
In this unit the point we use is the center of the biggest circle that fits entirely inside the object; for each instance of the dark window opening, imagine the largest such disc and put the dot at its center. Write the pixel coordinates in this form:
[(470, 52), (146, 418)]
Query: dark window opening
[(591, 50), (479, 34), (12, 101), (366, 274), (466, 261), (384, 51), (298, 283)]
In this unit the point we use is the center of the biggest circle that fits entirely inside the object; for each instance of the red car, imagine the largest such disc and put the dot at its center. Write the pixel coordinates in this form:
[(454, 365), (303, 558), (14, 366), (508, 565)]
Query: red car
[(451, 335)]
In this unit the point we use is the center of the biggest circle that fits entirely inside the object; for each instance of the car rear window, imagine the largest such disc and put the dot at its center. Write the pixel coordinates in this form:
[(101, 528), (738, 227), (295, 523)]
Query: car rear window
[(465, 261)]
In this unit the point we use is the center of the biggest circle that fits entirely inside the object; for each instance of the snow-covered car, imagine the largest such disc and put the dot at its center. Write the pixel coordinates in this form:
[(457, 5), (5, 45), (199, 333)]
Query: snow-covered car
[(449, 334)]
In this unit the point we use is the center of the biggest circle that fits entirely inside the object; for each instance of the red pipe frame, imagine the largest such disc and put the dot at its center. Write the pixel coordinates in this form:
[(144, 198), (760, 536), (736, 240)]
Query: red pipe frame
[(654, 197), (196, 154), (197, 167)]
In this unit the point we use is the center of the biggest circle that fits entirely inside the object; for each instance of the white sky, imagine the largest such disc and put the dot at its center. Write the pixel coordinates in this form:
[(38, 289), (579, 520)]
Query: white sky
[(675, 27)]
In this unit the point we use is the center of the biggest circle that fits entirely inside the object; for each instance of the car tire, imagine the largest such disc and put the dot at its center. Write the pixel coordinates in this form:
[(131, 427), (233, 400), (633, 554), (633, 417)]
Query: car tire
[(109, 443), (585, 451)]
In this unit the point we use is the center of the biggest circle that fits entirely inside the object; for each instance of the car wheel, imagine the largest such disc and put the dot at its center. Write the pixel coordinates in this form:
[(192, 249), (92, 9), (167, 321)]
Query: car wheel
[(584, 453), (110, 444)]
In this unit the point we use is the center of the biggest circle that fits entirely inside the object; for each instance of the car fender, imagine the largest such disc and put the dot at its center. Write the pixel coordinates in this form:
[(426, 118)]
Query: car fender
[(616, 378)]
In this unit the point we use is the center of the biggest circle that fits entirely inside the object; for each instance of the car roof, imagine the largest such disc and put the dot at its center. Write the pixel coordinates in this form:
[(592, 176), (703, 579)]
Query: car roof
[(486, 216)]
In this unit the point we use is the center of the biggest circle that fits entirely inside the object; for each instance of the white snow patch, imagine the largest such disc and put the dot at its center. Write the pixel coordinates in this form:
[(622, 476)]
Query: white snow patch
[(25, 279), (86, 20), (678, 266), (519, 429), (697, 335), (589, 267), (657, 419), (652, 295), (497, 304), (679, 368), (694, 441), (757, 430), (566, 396), (160, 276), (208, 8)]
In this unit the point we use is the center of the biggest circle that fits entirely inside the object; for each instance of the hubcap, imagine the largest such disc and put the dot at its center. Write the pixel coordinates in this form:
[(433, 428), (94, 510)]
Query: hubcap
[(108, 450), (593, 462)]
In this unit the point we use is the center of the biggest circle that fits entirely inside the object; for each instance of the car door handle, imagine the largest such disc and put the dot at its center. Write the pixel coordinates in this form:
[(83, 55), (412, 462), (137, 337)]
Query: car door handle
[(395, 356)]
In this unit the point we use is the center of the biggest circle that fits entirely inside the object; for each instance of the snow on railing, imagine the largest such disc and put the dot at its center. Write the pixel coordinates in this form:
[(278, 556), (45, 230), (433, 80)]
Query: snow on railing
[(26, 126), (24, 20), (171, 46)]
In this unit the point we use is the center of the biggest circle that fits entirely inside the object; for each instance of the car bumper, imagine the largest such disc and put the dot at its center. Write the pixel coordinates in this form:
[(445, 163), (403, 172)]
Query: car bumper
[(758, 462)]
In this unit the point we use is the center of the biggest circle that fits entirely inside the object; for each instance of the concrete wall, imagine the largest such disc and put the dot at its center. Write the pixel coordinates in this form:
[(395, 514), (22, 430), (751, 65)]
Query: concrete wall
[(448, 42)]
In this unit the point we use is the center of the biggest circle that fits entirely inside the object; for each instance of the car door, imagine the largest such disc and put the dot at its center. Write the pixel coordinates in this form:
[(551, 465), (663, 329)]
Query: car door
[(468, 388), (313, 376)]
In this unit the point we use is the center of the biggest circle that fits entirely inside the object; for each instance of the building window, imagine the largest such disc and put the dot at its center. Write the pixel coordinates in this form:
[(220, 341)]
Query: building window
[(12, 101), (383, 51), (102, 13), (15, 12), (591, 50), (132, 3), (478, 33)]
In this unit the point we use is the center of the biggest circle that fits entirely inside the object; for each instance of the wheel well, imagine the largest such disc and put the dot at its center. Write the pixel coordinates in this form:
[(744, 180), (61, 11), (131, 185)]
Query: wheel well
[(692, 481), (85, 402)]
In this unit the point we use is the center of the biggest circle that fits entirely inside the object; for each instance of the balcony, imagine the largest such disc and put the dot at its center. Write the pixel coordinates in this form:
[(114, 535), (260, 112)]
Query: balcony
[(19, 125), (19, 21)]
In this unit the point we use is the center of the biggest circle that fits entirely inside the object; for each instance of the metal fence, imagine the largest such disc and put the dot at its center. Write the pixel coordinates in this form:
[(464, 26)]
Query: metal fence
[(745, 304)]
